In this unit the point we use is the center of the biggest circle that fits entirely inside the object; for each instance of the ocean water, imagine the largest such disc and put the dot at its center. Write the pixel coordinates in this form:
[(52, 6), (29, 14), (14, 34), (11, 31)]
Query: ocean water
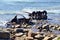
[(4, 18), (10, 9), (22, 5)]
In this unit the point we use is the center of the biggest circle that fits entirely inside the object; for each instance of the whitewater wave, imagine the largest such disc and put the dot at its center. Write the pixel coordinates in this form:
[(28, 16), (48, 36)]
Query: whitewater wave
[(30, 10), (3, 23), (38, 9)]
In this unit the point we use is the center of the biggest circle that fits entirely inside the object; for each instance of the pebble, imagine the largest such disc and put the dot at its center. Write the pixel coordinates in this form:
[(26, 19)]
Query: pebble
[(44, 25), (29, 33), (56, 38), (29, 26), (38, 36), (18, 34), (46, 38), (58, 28), (16, 26), (29, 38), (53, 28), (21, 38)]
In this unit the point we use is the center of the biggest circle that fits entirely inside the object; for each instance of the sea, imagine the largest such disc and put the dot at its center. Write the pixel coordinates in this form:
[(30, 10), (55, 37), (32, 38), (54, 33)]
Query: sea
[(8, 10)]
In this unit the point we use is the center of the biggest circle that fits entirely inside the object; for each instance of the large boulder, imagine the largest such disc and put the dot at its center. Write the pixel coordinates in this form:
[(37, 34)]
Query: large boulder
[(5, 35)]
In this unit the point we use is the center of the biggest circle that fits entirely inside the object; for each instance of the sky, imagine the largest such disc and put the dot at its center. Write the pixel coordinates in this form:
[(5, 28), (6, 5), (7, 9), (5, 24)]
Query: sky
[(32, 0)]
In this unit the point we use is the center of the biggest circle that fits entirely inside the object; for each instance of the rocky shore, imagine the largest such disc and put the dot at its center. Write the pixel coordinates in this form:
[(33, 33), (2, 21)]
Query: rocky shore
[(42, 30), (37, 27)]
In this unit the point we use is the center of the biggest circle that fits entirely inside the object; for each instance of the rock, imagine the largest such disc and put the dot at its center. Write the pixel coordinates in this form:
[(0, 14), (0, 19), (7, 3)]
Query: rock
[(24, 26), (44, 30), (29, 33), (28, 26), (38, 36), (15, 29), (53, 28), (35, 39), (58, 28), (18, 34), (4, 35), (16, 26), (21, 38), (33, 35), (37, 33), (8, 29), (49, 26), (44, 35), (26, 30), (13, 26), (29, 38), (52, 35), (44, 25), (38, 27), (14, 23), (56, 38), (19, 30), (18, 38), (46, 38)]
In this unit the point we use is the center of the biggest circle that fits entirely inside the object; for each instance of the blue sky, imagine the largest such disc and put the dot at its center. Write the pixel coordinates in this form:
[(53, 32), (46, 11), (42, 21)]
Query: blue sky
[(33, 0)]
